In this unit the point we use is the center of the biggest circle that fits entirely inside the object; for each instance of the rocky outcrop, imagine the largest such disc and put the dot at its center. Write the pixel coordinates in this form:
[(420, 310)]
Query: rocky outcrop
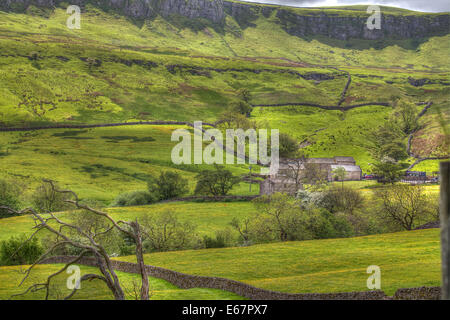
[(140, 9), (355, 27), (302, 23), (340, 26)]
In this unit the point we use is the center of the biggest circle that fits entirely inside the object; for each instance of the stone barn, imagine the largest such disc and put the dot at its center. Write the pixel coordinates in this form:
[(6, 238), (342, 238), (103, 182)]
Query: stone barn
[(290, 171)]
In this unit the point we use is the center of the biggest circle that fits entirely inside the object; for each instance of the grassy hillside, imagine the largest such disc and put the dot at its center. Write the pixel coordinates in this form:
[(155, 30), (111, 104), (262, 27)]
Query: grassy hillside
[(208, 217), (10, 277), (115, 69), (97, 163), (406, 259)]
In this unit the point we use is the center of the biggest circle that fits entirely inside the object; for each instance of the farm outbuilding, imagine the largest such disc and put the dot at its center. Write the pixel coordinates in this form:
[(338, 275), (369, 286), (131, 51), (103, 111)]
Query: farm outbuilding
[(290, 171)]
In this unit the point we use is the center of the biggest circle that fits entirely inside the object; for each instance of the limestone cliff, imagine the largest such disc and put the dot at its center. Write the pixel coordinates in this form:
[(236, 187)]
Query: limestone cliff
[(300, 23), (140, 9), (342, 26)]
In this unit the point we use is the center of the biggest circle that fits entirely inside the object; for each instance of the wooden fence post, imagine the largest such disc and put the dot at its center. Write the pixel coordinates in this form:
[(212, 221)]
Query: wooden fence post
[(445, 232)]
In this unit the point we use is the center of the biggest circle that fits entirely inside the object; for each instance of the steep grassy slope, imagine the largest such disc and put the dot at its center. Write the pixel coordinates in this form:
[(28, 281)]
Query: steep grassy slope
[(118, 69), (130, 79), (406, 259)]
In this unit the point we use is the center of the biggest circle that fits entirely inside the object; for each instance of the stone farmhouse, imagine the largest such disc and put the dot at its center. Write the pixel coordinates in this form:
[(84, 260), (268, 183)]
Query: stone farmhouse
[(291, 171)]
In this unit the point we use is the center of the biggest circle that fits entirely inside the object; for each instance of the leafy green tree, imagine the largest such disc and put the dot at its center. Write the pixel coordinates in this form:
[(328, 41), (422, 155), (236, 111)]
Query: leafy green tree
[(217, 182), (389, 171), (9, 197), (244, 94), (395, 150), (280, 217), (387, 140), (168, 185), (408, 118), (289, 146), (232, 119), (241, 107), (345, 199)]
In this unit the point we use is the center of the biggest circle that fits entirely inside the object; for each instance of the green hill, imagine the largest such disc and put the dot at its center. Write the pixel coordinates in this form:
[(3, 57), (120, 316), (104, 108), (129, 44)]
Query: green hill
[(317, 74), (119, 67), (98, 163)]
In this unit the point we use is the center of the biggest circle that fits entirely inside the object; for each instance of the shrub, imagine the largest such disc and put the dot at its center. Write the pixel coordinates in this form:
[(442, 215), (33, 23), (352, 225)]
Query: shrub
[(241, 107), (134, 198), (342, 199), (18, 250), (9, 197), (325, 225), (211, 242), (168, 185), (222, 239)]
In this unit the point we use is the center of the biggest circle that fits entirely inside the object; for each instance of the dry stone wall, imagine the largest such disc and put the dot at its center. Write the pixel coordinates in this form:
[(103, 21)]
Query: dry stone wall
[(186, 281)]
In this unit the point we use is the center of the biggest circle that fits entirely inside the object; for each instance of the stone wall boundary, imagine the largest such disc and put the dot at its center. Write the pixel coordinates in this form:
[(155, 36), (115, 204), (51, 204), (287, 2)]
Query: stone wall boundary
[(187, 281)]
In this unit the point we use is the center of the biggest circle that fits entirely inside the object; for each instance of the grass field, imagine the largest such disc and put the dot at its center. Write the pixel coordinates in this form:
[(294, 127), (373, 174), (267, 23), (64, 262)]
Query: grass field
[(98, 163), (406, 259), (10, 278), (208, 216)]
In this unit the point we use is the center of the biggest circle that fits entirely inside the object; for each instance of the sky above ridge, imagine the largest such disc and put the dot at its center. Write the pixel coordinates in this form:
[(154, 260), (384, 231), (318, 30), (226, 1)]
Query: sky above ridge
[(418, 5)]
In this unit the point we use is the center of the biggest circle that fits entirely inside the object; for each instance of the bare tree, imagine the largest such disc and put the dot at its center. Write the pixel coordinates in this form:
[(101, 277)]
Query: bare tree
[(70, 234), (405, 205), (315, 175), (340, 174), (296, 171), (242, 229)]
